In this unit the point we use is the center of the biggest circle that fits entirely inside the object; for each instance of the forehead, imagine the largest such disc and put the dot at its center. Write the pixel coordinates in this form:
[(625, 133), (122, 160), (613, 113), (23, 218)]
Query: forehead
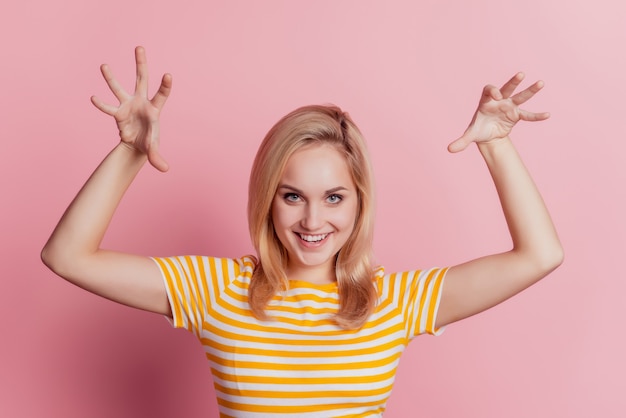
[(317, 167)]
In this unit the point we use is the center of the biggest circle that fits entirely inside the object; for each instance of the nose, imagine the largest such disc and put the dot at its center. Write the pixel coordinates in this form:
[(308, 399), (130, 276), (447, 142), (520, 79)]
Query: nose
[(313, 217)]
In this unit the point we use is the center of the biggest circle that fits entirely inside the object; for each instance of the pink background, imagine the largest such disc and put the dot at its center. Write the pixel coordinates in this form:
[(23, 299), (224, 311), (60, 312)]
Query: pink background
[(410, 73)]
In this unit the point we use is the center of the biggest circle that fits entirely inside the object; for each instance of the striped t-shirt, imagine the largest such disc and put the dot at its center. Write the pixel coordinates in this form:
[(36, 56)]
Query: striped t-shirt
[(299, 363)]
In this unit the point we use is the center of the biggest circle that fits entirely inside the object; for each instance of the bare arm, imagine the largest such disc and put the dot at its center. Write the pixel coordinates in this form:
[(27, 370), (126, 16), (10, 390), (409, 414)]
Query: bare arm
[(480, 284), (73, 250)]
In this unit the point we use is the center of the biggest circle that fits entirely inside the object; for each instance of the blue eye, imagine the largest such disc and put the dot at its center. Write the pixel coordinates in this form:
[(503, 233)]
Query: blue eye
[(291, 197), (334, 198)]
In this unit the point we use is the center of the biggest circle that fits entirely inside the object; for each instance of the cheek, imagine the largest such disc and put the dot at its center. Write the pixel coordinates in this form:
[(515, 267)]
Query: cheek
[(278, 224), (282, 215), (346, 218), (276, 221)]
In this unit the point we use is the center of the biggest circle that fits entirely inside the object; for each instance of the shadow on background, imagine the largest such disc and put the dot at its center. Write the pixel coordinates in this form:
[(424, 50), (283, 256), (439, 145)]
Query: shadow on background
[(107, 360)]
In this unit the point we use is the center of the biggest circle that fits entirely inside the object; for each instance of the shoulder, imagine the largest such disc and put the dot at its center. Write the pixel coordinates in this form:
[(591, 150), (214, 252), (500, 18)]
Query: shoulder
[(409, 278), (208, 265), (246, 265)]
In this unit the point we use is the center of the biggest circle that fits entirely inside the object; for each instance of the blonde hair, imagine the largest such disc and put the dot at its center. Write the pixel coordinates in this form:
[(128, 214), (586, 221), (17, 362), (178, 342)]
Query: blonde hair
[(304, 126)]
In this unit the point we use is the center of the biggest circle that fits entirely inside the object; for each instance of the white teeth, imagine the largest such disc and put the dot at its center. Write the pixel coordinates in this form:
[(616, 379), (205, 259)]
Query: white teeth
[(313, 238)]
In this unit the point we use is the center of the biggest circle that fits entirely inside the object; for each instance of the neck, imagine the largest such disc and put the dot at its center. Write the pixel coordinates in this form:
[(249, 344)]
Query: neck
[(314, 275)]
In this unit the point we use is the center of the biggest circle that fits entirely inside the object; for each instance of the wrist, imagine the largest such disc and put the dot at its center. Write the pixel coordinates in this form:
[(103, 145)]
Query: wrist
[(495, 142), (130, 152), (493, 145), (129, 157), (496, 150)]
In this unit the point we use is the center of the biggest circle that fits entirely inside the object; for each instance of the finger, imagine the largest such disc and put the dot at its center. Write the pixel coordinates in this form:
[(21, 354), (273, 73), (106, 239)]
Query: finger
[(509, 87), (104, 107), (532, 116), (161, 96), (524, 95), (114, 86), (490, 93), (157, 161), (141, 64), (460, 144)]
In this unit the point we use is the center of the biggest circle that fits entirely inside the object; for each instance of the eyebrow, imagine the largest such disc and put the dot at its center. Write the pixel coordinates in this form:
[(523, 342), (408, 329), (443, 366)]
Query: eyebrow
[(298, 191)]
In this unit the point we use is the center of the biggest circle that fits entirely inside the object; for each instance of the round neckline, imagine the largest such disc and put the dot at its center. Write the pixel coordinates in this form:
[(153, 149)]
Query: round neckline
[(293, 284)]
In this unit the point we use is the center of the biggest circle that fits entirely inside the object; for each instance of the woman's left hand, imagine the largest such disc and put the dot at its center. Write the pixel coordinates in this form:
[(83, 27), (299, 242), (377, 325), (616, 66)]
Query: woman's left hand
[(498, 111), (484, 282)]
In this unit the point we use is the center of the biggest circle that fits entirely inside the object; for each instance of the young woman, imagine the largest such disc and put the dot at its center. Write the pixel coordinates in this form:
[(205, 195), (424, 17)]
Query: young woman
[(307, 327)]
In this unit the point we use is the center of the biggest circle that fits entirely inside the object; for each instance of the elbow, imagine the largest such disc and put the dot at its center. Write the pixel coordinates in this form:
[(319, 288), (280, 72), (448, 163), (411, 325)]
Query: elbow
[(543, 260), (550, 259), (560, 257), (556, 259), (48, 257), (53, 259)]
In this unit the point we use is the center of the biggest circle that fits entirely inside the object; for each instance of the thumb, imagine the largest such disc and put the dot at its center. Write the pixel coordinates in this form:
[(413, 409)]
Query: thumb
[(157, 161), (460, 144)]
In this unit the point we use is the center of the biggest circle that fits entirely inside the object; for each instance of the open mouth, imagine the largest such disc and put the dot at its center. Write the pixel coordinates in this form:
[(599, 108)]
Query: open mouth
[(312, 239)]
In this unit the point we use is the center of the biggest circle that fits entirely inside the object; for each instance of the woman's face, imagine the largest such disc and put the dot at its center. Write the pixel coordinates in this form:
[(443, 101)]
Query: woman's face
[(314, 211)]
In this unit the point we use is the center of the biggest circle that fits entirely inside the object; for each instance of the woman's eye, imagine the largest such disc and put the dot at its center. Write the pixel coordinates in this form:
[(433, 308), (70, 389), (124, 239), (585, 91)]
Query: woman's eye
[(334, 198), (291, 197)]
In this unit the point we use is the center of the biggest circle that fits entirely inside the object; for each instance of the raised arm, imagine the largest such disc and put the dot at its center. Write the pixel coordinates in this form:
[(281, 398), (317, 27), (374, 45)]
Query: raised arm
[(73, 250), (483, 283)]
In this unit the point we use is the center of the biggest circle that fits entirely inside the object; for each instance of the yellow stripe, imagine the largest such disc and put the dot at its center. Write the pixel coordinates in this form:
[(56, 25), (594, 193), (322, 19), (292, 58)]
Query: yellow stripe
[(177, 315), (225, 269), (266, 327), (257, 365), (213, 276), (290, 299), (430, 325), (293, 409), (378, 412), (278, 394), (311, 342), (404, 297), (252, 325), (196, 306), (423, 300), (271, 380), (293, 298), (272, 353), (202, 275), (382, 304), (302, 310)]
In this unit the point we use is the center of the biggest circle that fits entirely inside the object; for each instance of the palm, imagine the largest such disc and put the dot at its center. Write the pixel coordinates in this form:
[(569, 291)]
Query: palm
[(498, 112), (494, 119), (137, 116), (136, 119)]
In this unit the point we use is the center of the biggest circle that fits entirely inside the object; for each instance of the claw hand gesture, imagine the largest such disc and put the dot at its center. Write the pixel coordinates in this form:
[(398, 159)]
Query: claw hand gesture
[(498, 111), (137, 116)]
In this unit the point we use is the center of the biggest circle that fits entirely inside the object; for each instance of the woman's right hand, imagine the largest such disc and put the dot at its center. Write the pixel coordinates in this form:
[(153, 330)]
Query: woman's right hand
[(74, 249), (137, 116)]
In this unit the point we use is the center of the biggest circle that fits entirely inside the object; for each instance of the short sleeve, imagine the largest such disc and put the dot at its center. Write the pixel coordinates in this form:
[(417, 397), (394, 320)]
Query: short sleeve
[(422, 301), (187, 290)]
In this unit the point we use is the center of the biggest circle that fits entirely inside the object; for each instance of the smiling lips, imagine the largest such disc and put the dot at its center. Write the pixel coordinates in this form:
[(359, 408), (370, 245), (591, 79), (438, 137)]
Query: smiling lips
[(312, 239)]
